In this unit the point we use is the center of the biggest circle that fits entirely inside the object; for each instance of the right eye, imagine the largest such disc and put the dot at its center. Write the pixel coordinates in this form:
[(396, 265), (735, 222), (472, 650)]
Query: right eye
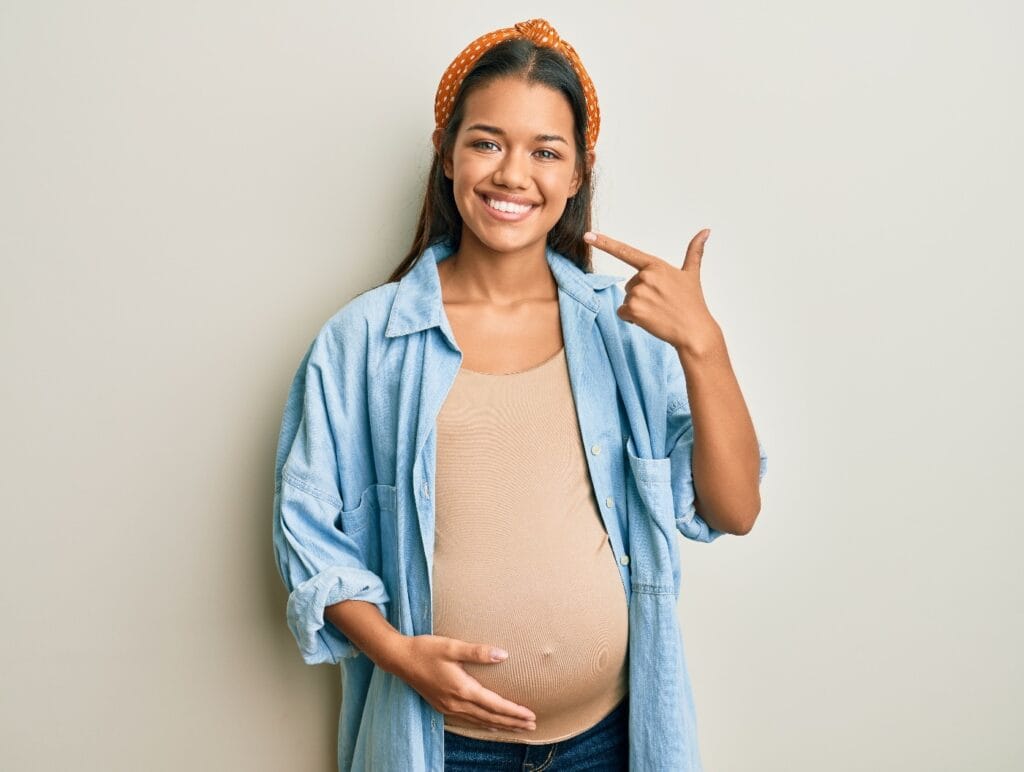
[(483, 142)]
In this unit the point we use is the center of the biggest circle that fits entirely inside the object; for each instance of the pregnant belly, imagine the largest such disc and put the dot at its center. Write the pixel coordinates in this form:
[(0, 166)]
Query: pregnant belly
[(565, 629)]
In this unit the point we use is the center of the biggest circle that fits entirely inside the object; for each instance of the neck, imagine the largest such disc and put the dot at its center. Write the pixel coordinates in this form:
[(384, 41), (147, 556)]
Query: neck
[(479, 273)]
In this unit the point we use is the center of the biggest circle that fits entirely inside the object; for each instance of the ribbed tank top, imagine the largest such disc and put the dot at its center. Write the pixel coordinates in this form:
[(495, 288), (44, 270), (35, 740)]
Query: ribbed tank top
[(521, 556)]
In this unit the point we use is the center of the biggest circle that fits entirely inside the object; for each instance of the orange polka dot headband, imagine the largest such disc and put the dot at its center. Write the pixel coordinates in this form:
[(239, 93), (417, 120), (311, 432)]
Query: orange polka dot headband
[(541, 33)]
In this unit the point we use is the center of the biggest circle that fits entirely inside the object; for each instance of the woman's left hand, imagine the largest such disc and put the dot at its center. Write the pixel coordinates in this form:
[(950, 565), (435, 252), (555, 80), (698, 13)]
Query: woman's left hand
[(666, 301)]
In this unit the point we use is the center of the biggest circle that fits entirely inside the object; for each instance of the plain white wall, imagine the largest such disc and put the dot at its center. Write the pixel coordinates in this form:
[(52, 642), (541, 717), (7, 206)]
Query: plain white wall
[(189, 190)]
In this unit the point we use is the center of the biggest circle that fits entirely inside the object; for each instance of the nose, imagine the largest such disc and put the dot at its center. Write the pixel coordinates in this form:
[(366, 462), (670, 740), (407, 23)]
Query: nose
[(512, 172)]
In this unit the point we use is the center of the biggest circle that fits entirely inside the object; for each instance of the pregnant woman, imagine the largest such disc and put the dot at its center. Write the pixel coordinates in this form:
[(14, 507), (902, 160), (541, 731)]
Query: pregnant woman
[(485, 462)]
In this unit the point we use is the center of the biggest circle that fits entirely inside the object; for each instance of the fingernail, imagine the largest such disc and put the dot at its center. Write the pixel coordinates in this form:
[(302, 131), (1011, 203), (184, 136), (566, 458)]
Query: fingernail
[(498, 654), (589, 237)]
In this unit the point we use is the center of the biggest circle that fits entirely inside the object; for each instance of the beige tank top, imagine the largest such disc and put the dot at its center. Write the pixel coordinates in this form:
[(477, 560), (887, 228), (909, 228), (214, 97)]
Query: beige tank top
[(521, 558)]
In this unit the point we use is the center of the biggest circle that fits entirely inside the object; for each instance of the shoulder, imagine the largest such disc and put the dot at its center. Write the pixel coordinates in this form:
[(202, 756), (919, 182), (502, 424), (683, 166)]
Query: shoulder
[(600, 281), (352, 327), (346, 339)]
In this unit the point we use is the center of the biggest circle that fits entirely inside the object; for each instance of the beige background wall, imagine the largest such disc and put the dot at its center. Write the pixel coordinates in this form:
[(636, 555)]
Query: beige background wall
[(188, 190)]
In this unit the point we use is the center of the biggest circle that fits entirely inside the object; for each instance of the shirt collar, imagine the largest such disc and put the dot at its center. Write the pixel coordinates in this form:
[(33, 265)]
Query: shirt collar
[(418, 305)]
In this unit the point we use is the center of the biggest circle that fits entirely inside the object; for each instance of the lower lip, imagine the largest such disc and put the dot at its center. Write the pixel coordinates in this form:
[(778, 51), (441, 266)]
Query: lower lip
[(506, 216)]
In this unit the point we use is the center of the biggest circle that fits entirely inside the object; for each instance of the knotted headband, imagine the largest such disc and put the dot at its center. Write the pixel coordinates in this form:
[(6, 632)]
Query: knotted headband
[(541, 33)]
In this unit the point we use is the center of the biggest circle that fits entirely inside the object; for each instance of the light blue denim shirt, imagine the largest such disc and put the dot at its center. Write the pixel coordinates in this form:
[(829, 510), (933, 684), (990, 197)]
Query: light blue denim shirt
[(354, 500)]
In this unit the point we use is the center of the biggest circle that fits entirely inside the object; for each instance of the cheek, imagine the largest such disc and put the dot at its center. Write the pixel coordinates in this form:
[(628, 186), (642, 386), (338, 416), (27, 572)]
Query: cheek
[(556, 185), (471, 168)]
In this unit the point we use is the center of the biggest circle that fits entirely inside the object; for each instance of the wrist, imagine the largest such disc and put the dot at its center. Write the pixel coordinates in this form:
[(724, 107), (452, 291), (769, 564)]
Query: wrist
[(708, 346), (390, 653)]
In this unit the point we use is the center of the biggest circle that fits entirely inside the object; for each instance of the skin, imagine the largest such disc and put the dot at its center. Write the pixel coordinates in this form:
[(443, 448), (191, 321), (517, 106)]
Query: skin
[(502, 303), (498, 292)]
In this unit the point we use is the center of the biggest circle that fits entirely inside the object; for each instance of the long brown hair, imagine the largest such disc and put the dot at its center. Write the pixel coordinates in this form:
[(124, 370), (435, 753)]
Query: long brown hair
[(439, 217)]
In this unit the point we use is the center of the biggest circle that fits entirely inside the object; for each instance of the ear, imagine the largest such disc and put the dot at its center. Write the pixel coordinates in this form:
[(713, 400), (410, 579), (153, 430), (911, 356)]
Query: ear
[(577, 178), (436, 139)]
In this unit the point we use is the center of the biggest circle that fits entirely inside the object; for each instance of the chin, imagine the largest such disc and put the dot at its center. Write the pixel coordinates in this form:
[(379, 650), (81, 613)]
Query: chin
[(513, 242)]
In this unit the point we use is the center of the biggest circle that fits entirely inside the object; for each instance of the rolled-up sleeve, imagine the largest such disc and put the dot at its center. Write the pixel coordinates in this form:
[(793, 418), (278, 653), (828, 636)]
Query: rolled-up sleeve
[(318, 562), (679, 439)]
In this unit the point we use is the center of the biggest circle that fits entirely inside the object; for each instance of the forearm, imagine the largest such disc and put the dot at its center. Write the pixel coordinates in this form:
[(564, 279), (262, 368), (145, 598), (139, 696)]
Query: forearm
[(364, 625), (726, 458)]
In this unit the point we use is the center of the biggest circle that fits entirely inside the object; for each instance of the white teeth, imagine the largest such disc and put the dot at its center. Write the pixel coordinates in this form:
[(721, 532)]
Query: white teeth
[(505, 206)]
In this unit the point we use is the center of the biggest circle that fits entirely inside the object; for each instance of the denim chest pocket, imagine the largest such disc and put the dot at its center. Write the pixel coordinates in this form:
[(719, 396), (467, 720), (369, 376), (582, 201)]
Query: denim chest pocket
[(363, 523), (654, 547)]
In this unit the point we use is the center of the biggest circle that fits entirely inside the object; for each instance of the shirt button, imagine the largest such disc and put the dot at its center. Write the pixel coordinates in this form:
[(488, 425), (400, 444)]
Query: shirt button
[(433, 722), (624, 560), (596, 449), (426, 490), (608, 501)]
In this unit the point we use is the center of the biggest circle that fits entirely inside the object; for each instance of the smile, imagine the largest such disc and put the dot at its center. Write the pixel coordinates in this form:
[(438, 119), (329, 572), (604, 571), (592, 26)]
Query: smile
[(503, 210)]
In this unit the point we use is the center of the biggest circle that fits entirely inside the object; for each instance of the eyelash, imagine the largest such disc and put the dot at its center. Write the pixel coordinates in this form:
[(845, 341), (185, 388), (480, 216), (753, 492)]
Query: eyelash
[(554, 155)]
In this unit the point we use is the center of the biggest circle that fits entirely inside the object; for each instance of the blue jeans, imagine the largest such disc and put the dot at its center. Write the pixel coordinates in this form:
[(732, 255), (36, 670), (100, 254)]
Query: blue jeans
[(602, 748)]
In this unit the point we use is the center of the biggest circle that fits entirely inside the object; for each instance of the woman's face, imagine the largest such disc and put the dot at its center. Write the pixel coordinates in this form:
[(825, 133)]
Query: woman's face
[(515, 143)]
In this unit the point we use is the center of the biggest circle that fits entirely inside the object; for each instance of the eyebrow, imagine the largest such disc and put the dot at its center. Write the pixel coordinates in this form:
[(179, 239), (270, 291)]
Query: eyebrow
[(501, 133)]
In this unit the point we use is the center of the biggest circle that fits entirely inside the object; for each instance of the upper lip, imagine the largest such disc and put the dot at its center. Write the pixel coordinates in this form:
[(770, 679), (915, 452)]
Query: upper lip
[(510, 199)]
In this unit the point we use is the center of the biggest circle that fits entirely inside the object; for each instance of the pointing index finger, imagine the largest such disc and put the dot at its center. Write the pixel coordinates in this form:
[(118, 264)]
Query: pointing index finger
[(624, 252)]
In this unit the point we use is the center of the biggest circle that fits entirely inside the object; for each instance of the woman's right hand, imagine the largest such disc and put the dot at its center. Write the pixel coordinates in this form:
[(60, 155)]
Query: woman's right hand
[(430, 664)]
